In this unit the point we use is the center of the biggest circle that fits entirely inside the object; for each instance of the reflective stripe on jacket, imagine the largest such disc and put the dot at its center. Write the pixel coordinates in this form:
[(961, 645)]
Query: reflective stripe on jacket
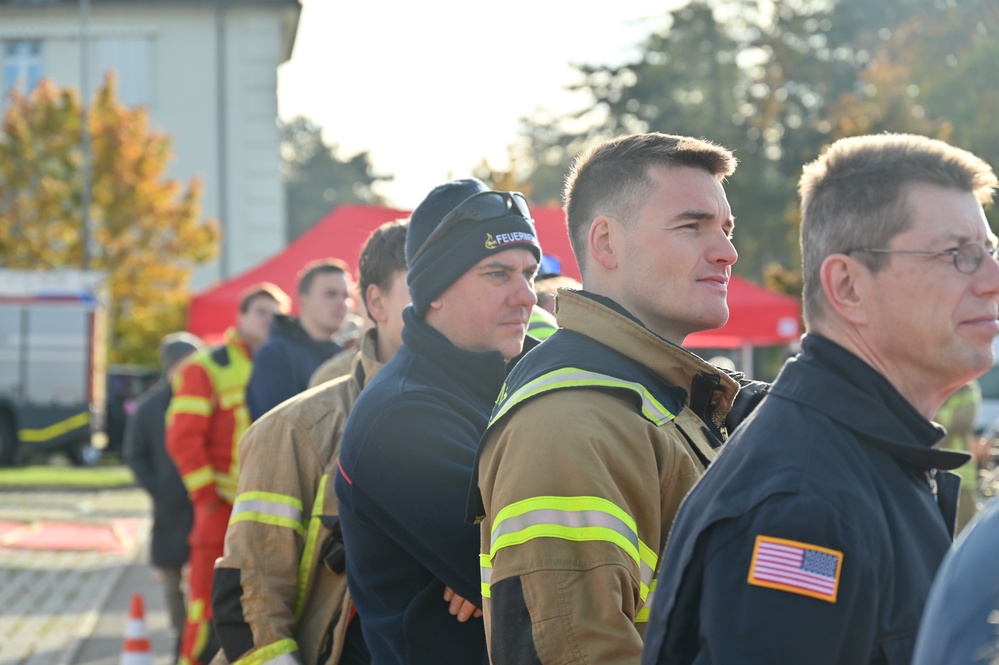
[(206, 418), (591, 447), (274, 583)]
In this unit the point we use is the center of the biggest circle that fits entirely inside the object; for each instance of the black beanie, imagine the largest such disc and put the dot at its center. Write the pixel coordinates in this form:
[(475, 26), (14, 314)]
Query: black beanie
[(462, 246)]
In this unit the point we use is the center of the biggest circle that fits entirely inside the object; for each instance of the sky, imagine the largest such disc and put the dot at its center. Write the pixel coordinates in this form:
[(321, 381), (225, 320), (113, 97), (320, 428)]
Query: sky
[(431, 88)]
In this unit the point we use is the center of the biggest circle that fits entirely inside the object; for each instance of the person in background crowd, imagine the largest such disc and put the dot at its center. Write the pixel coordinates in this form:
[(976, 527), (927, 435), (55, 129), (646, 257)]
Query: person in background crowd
[(958, 416), (599, 432), (144, 452), (406, 456), (205, 420), (814, 538), (298, 345), (280, 590)]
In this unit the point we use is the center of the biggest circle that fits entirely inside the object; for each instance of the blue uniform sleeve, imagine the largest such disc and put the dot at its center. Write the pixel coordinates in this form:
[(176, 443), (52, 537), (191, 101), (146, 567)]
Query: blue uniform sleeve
[(271, 382), (789, 582)]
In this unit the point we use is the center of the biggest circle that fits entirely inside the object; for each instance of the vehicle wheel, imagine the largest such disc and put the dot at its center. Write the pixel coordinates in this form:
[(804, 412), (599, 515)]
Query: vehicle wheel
[(81, 453), (8, 441)]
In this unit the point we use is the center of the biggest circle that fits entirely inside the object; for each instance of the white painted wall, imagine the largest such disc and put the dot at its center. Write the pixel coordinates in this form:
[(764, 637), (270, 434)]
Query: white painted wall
[(175, 46)]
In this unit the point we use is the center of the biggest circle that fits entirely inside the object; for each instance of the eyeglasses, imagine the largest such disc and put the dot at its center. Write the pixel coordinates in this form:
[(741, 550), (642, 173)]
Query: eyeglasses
[(967, 258), (480, 207)]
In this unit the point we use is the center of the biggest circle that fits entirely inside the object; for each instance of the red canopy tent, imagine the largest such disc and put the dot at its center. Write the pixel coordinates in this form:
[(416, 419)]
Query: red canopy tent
[(759, 317)]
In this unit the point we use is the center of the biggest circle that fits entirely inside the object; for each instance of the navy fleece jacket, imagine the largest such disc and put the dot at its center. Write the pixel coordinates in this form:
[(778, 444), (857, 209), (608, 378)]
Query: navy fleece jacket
[(284, 363), (405, 468)]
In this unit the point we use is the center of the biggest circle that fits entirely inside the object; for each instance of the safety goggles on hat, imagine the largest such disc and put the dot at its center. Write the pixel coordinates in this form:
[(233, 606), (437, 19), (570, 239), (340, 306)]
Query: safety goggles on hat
[(480, 207)]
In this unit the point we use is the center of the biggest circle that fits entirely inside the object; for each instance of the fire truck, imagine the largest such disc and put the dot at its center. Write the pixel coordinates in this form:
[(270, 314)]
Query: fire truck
[(53, 353)]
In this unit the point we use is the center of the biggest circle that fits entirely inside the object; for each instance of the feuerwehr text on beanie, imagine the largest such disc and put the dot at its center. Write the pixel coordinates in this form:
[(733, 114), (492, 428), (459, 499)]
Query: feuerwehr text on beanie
[(462, 246)]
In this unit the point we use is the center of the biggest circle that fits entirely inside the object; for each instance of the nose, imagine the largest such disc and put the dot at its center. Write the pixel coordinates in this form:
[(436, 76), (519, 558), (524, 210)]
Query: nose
[(723, 251), (523, 293), (987, 282)]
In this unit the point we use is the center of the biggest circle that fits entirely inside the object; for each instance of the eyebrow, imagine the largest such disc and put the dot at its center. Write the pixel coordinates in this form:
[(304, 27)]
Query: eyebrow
[(698, 215), (499, 265)]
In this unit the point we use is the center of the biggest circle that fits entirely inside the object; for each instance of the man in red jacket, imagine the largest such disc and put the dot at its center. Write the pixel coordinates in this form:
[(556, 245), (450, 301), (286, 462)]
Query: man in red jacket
[(206, 418)]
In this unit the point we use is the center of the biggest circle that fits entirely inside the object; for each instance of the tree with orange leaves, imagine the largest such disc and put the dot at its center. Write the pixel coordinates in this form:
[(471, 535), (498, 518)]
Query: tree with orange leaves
[(145, 229)]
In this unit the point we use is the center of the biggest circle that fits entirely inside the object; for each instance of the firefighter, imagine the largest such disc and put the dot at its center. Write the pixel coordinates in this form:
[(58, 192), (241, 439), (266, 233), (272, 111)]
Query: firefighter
[(206, 418)]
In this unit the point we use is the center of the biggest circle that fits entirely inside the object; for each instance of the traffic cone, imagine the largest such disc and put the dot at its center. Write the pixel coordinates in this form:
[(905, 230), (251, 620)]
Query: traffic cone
[(136, 650)]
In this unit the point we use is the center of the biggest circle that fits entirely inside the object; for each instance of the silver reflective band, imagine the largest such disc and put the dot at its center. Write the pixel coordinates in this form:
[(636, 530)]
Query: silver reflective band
[(268, 508)]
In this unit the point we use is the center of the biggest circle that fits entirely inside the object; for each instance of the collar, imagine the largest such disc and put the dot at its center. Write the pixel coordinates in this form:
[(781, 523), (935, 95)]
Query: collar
[(834, 381), (605, 321), (482, 373), (366, 363), (235, 341)]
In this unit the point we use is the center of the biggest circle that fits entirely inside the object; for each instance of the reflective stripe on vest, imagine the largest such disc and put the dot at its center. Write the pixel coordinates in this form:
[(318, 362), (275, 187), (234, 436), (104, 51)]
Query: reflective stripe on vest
[(198, 478), (305, 566), (571, 377), (268, 508), (573, 518), (540, 326), (276, 653)]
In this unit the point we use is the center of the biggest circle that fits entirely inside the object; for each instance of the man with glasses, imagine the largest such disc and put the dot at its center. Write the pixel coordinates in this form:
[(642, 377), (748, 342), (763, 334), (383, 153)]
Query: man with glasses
[(600, 432), (407, 449), (815, 537)]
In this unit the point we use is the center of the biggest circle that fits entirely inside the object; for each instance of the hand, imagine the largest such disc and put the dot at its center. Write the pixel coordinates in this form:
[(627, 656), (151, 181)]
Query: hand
[(460, 608)]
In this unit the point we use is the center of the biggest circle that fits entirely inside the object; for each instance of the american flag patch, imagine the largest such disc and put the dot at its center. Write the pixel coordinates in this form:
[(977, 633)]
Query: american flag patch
[(796, 567)]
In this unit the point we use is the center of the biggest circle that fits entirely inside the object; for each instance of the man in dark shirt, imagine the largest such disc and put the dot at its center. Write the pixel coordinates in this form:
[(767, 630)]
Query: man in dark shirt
[(298, 345), (815, 535), (405, 462)]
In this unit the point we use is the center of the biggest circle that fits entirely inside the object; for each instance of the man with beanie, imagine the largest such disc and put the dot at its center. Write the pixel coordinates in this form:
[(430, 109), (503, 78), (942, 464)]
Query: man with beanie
[(145, 453), (600, 432), (406, 456)]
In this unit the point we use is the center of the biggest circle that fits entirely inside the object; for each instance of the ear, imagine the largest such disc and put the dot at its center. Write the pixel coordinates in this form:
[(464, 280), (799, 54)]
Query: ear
[(846, 283), (602, 242), (376, 304)]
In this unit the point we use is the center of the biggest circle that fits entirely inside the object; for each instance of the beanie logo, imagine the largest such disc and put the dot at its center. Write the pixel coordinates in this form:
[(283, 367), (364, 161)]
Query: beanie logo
[(500, 239)]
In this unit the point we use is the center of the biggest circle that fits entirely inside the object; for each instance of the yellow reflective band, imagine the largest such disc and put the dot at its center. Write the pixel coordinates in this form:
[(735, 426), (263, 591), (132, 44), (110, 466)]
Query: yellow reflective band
[(282, 501), (540, 327), (485, 573), (275, 653), (311, 538), (225, 485), (190, 405), (571, 377), (265, 518), (199, 478), (574, 518), (643, 614), (55, 429)]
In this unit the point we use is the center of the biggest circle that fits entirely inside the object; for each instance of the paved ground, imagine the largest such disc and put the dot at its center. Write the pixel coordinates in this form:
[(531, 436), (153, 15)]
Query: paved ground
[(70, 607)]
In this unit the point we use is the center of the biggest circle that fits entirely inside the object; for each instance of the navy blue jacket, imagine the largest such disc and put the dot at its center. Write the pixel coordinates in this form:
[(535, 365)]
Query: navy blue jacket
[(958, 626), (144, 451), (406, 465), (283, 365), (833, 464)]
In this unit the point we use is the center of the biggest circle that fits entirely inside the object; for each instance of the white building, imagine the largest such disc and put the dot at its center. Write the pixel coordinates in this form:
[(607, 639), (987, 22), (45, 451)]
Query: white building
[(207, 72)]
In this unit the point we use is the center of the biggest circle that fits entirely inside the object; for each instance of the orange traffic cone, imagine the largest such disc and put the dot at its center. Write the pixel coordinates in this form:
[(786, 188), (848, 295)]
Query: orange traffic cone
[(136, 650)]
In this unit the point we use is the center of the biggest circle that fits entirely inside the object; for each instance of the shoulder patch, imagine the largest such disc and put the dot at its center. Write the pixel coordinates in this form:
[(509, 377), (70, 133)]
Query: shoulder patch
[(796, 567)]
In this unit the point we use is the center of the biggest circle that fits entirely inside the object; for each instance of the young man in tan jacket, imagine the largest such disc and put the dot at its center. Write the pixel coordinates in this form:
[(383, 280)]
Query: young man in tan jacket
[(600, 432), (280, 587)]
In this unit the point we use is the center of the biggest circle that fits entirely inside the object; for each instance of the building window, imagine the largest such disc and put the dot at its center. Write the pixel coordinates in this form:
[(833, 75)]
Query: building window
[(129, 59), (22, 65)]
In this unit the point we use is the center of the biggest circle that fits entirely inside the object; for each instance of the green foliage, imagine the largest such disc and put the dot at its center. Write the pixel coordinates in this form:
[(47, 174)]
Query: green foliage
[(317, 181), (145, 231), (775, 82)]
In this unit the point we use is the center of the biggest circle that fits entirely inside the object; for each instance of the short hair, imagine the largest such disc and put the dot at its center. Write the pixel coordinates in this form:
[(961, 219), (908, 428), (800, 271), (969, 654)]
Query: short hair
[(547, 287), (308, 273), (266, 290), (855, 195), (612, 178), (382, 255)]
